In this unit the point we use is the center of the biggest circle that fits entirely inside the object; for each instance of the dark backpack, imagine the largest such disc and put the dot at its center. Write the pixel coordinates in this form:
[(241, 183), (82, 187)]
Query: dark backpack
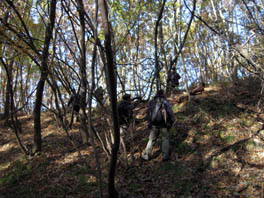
[(158, 114), (124, 112)]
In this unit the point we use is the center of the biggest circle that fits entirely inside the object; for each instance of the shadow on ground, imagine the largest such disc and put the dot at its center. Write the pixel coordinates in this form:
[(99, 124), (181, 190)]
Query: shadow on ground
[(211, 155)]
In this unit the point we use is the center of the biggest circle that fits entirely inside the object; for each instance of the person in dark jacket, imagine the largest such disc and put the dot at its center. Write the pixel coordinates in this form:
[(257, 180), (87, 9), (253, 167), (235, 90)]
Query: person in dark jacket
[(125, 113), (99, 93), (159, 127), (174, 78), (74, 105)]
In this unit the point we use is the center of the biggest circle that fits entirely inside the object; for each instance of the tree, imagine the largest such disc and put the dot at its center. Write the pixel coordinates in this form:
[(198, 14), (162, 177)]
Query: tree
[(110, 70), (43, 77), (84, 129)]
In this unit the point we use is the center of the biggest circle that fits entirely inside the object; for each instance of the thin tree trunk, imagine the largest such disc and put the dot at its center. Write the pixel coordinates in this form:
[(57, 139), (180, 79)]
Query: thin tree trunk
[(43, 78), (99, 172), (7, 90), (7, 104), (110, 72), (84, 128), (12, 114), (157, 66)]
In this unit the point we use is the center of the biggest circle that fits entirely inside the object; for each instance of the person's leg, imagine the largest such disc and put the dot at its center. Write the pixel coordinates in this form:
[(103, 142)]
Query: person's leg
[(153, 136), (165, 144)]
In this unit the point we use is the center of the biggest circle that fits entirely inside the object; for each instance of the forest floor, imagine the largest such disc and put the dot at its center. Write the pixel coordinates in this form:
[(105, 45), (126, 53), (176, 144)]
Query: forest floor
[(217, 150)]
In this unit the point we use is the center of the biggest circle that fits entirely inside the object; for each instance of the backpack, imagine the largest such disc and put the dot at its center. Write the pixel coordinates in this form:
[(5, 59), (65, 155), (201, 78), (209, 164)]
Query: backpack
[(76, 100), (124, 112), (159, 112)]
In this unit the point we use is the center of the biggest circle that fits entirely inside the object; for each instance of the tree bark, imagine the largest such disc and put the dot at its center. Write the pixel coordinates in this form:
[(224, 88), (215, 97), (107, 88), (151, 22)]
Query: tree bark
[(157, 66), (43, 78), (7, 104), (111, 82), (8, 88), (84, 128)]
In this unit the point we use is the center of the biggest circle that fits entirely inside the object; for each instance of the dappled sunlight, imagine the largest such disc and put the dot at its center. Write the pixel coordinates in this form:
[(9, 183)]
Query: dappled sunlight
[(260, 156), (206, 154), (67, 159), (8, 147), (3, 167), (213, 88)]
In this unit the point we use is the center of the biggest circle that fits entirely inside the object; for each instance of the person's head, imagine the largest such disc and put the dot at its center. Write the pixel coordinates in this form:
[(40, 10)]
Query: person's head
[(126, 97), (160, 92), (173, 69)]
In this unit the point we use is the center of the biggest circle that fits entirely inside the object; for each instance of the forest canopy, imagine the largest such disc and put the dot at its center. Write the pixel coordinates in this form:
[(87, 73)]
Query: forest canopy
[(224, 42)]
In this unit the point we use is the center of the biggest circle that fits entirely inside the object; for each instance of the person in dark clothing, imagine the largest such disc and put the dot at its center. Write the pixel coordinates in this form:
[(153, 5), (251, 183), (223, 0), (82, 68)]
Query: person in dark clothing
[(99, 93), (174, 78), (156, 127), (74, 105), (125, 113)]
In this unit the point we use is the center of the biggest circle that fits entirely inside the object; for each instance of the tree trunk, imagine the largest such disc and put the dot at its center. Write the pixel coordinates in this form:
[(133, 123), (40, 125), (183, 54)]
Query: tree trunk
[(84, 128), (157, 65), (110, 72), (8, 88), (7, 104), (43, 78)]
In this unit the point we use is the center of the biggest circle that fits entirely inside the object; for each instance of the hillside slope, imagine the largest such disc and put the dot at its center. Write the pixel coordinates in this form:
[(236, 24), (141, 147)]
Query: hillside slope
[(217, 150)]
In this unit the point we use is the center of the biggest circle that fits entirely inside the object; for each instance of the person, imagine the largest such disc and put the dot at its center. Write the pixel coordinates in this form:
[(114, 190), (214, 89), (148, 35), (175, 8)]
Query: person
[(125, 113), (74, 105), (156, 127), (99, 93), (174, 78)]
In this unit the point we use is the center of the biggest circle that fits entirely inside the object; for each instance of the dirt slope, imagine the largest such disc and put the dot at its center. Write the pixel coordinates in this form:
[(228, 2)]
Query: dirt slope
[(217, 150)]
